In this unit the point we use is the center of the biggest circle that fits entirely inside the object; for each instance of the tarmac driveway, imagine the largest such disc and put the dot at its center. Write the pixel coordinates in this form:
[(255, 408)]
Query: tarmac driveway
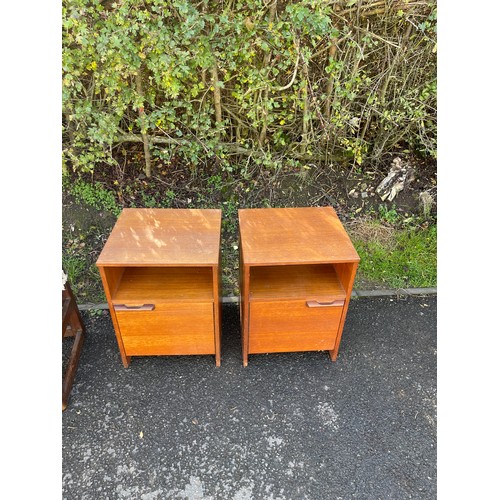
[(289, 426)]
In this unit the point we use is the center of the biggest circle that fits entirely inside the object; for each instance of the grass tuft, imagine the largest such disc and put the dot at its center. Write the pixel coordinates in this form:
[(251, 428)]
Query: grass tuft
[(397, 258)]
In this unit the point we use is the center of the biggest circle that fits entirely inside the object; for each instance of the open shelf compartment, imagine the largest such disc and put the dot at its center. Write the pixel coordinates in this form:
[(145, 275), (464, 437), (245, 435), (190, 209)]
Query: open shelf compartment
[(163, 284), (288, 282)]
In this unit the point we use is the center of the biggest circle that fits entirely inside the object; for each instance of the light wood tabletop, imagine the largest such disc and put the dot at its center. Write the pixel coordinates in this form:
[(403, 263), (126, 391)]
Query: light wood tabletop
[(162, 236), (294, 236)]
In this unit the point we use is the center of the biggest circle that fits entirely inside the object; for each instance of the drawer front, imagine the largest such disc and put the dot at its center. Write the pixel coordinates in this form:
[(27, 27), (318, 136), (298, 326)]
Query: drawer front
[(287, 326), (169, 328)]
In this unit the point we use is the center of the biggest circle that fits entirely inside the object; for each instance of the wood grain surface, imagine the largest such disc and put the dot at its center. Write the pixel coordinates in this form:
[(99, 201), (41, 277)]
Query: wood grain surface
[(163, 236), (346, 273), (168, 345), (171, 328), (164, 284), (294, 236), (110, 277), (289, 326), (314, 282)]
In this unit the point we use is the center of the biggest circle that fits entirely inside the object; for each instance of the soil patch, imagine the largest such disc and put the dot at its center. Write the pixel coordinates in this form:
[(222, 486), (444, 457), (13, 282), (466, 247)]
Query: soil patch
[(349, 190)]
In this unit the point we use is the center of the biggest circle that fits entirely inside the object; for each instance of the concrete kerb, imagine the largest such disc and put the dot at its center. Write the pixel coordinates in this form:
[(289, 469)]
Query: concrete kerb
[(397, 292)]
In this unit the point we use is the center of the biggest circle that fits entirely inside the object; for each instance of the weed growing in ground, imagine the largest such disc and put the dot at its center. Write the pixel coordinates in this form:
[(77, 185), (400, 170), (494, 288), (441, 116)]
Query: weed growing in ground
[(169, 198), (149, 201), (390, 216), (95, 195), (74, 267)]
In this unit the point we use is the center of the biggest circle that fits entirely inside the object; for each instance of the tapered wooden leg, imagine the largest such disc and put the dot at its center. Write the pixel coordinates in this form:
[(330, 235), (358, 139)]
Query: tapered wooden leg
[(72, 326), (216, 270), (245, 313), (346, 273), (69, 376), (104, 277), (126, 360)]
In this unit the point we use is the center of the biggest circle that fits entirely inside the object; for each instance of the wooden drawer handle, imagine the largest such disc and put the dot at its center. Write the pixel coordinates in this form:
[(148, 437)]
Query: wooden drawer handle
[(333, 303), (139, 307)]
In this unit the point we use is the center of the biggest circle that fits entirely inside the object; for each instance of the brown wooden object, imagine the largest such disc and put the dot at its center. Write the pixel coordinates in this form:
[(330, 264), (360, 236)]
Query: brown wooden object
[(160, 270), (297, 269), (72, 326)]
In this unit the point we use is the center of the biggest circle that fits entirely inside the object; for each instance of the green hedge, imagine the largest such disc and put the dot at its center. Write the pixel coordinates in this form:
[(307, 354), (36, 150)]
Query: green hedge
[(303, 80)]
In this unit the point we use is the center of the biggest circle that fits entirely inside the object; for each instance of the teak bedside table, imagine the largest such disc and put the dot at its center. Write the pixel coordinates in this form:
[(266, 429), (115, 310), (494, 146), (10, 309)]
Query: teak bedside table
[(160, 272), (297, 269)]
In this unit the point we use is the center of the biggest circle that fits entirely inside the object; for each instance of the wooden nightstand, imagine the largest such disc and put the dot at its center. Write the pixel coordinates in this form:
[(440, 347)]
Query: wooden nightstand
[(297, 269), (160, 272)]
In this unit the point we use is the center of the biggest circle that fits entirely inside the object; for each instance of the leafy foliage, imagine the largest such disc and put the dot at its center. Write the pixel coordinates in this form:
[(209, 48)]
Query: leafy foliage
[(96, 196), (308, 79)]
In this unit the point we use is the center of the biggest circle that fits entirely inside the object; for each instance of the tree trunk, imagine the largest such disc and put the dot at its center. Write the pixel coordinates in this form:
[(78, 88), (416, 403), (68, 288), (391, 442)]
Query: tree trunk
[(217, 100), (305, 112), (142, 116), (267, 60), (234, 148), (329, 85)]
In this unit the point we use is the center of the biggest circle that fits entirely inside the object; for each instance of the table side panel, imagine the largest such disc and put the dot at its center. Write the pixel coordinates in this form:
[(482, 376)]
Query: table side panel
[(110, 281), (347, 274), (217, 309)]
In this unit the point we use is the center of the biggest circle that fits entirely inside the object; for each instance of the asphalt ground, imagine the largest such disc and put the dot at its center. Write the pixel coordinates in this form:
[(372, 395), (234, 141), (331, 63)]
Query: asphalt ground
[(289, 426)]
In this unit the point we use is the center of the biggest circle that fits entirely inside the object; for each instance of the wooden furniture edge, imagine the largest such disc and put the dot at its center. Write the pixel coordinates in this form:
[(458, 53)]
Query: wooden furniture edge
[(71, 320), (107, 291), (353, 269), (217, 307), (246, 312)]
